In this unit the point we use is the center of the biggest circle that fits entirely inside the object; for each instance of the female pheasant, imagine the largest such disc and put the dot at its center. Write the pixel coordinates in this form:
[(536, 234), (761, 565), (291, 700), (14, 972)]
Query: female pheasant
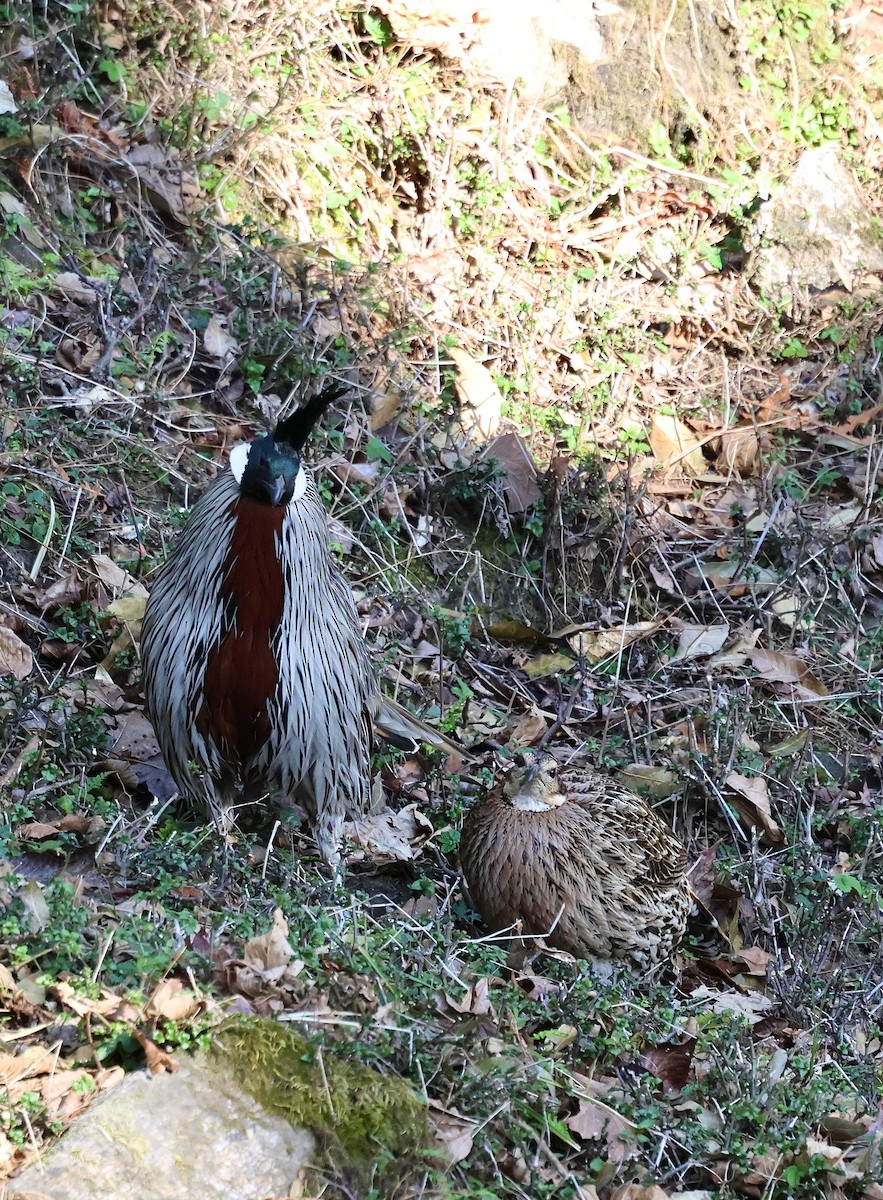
[(256, 677), (573, 856)]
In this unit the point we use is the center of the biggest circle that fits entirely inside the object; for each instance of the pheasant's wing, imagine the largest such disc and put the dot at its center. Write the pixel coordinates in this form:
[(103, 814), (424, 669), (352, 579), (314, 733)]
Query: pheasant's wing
[(395, 724), (652, 847)]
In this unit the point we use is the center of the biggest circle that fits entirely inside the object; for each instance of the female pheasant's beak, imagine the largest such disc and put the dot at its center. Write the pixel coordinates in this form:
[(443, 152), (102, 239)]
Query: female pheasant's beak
[(530, 773)]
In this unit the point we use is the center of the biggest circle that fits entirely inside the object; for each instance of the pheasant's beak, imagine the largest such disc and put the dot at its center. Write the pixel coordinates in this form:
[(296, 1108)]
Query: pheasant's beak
[(531, 772), (278, 489)]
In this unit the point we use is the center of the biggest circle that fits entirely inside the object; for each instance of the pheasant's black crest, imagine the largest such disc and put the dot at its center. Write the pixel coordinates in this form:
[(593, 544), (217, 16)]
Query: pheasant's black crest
[(294, 430)]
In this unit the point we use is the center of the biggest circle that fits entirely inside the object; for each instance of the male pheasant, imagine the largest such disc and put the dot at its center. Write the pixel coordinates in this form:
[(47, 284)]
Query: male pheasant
[(571, 855), (256, 676)]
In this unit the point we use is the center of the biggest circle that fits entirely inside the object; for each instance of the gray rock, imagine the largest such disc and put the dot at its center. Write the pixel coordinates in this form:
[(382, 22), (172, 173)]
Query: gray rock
[(189, 1136), (591, 57), (816, 232)]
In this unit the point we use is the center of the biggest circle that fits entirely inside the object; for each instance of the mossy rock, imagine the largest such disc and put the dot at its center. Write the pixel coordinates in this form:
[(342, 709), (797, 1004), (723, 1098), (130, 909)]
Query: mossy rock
[(371, 1124)]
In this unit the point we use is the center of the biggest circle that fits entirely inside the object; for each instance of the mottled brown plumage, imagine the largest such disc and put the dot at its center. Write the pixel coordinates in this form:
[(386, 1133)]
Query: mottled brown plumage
[(571, 855)]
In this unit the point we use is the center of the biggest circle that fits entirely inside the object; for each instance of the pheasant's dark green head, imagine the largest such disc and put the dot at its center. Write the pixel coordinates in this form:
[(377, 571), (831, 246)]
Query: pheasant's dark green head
[(268, 471)]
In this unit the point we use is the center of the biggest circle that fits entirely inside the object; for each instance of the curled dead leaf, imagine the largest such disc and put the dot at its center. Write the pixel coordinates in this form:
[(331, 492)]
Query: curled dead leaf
[(520, 481), (171, 1002), (453, 1132), (480, 399), (739, 451), (699, 641), (387, 837), (602, 643), (649, 780), (15, 656), (751, 799), (217, 341), (119, 581), (270, 953), (674, 445), (528, 730), (156, 1060), (787, 669)]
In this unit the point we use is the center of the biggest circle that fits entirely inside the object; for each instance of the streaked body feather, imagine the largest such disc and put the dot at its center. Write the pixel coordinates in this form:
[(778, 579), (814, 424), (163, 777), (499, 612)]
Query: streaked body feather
[(600, 874), (252, 603)]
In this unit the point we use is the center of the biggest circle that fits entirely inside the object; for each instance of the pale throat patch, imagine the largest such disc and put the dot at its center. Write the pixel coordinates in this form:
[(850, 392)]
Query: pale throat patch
[(528, 801)]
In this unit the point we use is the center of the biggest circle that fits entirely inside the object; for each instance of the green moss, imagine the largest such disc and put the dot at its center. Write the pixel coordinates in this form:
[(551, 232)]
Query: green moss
[(375, 1123)]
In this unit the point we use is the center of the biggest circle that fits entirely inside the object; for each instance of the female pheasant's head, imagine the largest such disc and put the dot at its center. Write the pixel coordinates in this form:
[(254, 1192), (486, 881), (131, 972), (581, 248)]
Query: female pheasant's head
[(270, 470), (532, 784)]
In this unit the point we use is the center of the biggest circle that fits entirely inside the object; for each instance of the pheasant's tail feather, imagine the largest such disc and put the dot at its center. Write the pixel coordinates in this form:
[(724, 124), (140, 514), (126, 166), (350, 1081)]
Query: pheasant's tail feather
[(401, 728), (706, 938), (296, 428)]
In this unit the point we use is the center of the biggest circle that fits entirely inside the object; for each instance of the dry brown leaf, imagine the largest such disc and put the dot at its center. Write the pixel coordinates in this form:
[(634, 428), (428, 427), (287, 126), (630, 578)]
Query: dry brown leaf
[(595, 1122), (384, 407), (71, 823), (528, 730), (737, 654), (674, 445), (635, 1191), (752, 802), (670, 1062), (217, 341), (70, 284), (156, 1060), (787, 668), (480, 399), (547, 664), (731, 576), (597, 644), (356, 472), (106, 1004), (270, 954), (475, 1001), (520, 481), (133, 740), (754, 1006), (387, 837), (119, 582), (172, 1002), (699, 641), (15, 656), (755, 959), (173, 189), (67, 590), (739, 451), (32, 1061), (452, 1131)]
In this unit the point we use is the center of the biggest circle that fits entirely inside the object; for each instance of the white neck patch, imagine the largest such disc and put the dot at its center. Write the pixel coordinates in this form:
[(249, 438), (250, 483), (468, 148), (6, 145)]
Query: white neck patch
[(300, 485), (238, 458)]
